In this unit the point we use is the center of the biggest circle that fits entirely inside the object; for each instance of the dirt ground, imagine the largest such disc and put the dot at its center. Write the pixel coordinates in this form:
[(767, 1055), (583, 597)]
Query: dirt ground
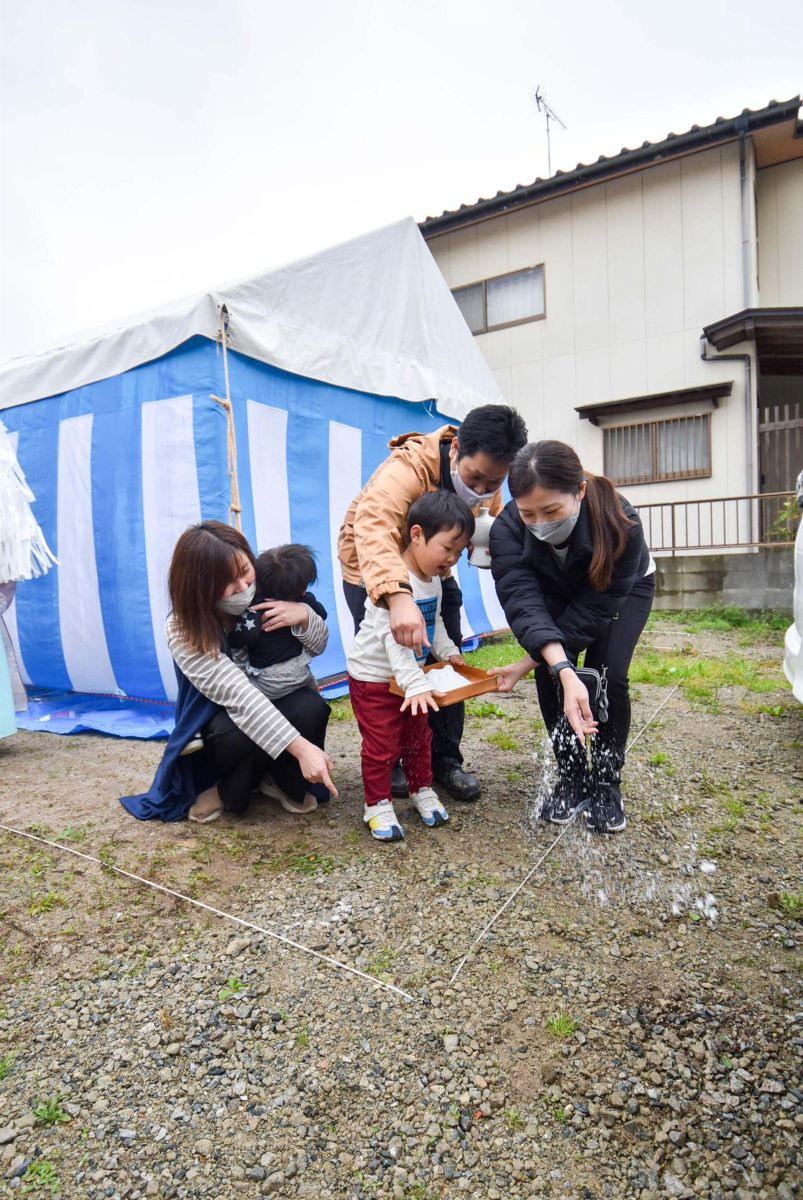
[(717, 779)]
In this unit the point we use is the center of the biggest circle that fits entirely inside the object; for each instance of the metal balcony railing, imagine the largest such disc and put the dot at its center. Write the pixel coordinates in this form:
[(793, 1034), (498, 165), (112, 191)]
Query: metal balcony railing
[(725, 523)]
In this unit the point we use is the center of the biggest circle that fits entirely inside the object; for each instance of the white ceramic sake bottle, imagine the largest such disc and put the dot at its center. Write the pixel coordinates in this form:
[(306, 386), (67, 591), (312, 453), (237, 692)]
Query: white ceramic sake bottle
[(480, 555)]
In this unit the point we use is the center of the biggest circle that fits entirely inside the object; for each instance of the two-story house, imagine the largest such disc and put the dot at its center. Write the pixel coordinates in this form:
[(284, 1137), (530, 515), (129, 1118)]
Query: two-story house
[(648, 308)]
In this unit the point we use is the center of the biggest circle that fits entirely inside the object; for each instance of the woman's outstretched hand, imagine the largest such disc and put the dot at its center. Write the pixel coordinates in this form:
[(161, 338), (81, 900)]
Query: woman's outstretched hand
[(315, 763), (508, 677), (281, 614), (576, 706)]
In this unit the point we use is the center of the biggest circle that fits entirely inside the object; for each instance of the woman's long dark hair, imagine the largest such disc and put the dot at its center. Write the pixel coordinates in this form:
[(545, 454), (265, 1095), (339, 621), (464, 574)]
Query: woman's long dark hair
[(555, 466), (206, 559)]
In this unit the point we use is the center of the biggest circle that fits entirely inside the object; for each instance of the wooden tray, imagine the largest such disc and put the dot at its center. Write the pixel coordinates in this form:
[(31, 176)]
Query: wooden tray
[(477, 683)]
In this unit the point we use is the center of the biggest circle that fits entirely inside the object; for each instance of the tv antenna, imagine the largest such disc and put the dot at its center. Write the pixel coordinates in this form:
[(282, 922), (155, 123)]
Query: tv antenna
[(550, 115)]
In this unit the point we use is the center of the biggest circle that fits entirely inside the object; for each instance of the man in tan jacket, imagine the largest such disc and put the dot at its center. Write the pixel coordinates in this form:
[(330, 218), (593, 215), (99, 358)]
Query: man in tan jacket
[(471, 461)]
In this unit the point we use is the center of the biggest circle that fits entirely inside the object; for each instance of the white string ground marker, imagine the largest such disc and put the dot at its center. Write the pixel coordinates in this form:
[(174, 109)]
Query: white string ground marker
[(332, 962), (549, 849)]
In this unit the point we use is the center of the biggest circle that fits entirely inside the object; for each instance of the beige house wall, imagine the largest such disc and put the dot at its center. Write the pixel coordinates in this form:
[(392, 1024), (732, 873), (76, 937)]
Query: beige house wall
[(779, 192), (634, 268)]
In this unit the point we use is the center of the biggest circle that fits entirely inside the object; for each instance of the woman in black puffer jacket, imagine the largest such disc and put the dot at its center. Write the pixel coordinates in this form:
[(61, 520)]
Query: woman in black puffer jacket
[(573, 573)]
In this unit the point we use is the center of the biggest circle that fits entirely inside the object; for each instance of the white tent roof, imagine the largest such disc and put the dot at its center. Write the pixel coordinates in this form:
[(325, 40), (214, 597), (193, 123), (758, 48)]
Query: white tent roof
[(373, 314)]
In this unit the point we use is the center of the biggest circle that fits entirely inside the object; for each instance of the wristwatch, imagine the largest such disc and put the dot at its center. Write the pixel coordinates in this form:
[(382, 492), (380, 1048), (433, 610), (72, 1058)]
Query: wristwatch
[(556, 669)]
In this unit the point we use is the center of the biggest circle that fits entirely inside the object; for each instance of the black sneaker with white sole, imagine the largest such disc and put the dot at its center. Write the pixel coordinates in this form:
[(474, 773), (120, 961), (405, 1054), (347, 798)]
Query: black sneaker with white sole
[(562, 802), (606, 812)]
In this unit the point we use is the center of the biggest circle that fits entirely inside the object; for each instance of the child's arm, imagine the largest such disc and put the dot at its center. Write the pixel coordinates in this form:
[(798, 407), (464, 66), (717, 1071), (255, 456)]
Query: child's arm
[(246, 631), (315, 637), (418, 695), (314, 603), (442, 645)]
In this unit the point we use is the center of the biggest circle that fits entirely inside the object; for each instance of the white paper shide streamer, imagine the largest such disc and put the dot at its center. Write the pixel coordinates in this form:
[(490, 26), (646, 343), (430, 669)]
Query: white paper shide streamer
[(24, 553)]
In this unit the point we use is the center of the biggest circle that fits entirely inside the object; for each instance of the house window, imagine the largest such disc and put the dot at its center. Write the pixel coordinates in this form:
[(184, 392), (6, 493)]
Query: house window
[(652, 451), (505, 300)]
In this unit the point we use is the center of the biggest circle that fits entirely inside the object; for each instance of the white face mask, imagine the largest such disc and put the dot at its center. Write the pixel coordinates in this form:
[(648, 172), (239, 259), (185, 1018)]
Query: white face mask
[(470, 497), (235, 606), (554, 532)]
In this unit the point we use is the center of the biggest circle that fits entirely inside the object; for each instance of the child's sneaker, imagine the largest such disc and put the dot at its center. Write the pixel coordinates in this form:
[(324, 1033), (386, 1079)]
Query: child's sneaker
[(430, 809), (381, 819)]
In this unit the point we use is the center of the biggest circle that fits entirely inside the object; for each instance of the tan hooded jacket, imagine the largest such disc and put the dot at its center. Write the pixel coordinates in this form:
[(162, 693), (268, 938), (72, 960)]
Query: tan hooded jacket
[(372, 535)]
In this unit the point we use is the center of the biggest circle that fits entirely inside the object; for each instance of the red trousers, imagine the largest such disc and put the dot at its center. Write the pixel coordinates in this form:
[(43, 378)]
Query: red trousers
[(388, 734)]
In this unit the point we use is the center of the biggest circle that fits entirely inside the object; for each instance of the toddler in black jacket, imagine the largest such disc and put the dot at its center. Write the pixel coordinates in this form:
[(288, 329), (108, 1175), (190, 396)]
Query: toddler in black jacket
[(278, 660)]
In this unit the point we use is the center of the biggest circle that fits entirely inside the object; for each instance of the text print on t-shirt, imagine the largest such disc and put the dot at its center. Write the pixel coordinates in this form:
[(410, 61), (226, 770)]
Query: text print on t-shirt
[(429, 609)]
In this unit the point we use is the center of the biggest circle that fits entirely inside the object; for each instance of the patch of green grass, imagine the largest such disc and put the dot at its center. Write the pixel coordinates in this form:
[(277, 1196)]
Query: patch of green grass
[(486, 708), (495, 652), (734, 806), (341, 710), (231, 988), (195, 881), (382, 961), (709, 786), (724, 618), (658, 759), (71, 833), (46, 903), (559, 1113), (312, 863), (561, 1025), (302, 1037), (6, 1063), (774, 710), (50, 1112), (41, 1177), (480, 879), (514, 1120), (792, 904), (505, 741), (416, 1191), (700, 677), (39, 862), (239, 843), (512, 776)]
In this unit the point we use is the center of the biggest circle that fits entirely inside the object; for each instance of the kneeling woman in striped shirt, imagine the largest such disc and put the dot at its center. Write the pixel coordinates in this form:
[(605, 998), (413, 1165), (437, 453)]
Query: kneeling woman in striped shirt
[(245, 735)]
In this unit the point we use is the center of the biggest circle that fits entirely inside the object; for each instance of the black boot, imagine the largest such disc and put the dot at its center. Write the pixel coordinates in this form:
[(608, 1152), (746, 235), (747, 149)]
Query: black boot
[(563, 801), (568, 793), (460, 784), (398, 783), (606, 812)]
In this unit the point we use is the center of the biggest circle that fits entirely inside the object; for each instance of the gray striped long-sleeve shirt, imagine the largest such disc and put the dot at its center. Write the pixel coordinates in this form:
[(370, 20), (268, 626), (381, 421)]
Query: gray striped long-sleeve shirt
[(224, 683)]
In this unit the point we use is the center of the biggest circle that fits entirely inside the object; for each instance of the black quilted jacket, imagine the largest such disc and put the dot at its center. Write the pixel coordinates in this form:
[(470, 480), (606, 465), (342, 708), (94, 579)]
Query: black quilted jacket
[(546, 602)]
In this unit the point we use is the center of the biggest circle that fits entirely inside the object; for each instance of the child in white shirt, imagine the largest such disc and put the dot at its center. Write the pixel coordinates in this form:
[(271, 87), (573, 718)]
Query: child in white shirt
[(439, 527)]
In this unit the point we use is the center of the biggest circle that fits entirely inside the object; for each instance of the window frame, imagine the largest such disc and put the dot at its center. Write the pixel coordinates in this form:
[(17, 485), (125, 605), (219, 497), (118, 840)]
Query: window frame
[(655, 476), (483, 283)]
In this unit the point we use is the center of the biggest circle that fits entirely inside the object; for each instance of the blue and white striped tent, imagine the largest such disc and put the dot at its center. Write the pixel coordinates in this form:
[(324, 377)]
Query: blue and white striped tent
[(125, 442)]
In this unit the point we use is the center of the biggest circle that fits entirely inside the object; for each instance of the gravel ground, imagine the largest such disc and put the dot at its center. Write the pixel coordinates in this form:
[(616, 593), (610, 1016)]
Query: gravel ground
[(630, 1028)]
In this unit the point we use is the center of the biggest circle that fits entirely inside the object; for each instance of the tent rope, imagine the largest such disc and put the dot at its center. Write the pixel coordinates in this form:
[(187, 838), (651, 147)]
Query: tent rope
[(235, 508)]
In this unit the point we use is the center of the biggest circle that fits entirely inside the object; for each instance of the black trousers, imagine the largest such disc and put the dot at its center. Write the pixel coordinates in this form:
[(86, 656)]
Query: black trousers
[(447, 723), (614, 650), (240, 763)]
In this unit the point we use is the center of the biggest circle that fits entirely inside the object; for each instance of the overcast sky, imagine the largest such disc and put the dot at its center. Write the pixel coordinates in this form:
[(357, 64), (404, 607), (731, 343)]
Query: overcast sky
[(155, 148)]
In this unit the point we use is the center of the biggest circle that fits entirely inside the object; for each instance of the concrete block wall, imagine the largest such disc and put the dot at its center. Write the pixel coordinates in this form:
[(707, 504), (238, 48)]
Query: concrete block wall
[(763, 579)]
